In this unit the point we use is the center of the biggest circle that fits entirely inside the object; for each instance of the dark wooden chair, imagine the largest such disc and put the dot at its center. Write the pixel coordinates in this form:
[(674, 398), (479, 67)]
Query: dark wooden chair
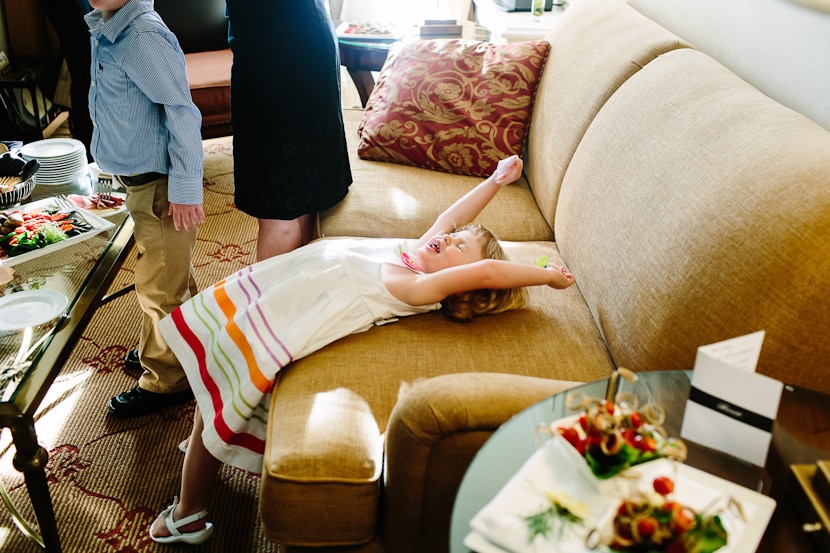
[(203, 35)]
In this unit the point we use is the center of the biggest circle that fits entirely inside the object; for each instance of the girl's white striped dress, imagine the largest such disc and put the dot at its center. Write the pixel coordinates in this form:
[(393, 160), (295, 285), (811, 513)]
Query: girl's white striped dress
[(235, 336)]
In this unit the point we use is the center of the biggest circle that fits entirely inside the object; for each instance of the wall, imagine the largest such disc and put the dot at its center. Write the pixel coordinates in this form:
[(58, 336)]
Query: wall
[(781, 48)]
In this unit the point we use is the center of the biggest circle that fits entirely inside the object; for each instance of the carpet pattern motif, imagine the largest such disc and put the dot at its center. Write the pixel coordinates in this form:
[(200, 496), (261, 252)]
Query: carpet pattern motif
[(109, 478)]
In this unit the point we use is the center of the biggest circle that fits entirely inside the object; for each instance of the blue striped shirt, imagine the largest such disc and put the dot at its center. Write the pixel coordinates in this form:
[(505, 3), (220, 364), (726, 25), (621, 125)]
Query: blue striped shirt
[(139, 100)]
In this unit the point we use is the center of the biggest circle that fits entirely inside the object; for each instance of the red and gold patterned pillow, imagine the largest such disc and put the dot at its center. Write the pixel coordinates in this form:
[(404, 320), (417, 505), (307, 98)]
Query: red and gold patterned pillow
[(452, 105)]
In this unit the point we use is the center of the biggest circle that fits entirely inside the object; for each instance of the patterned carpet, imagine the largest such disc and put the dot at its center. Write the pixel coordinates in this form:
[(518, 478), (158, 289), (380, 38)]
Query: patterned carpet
[(109, 478)]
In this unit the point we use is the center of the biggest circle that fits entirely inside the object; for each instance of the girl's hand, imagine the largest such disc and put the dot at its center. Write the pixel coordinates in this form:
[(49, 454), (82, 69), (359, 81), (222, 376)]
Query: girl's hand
[(508, 170), (561, 277)]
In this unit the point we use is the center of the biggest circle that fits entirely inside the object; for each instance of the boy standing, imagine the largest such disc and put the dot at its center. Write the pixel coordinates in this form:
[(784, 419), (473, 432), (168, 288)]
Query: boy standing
[(147, 133)]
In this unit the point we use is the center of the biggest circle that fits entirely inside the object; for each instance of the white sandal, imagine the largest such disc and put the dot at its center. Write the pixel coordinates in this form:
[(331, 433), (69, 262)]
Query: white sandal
[(193, 538)]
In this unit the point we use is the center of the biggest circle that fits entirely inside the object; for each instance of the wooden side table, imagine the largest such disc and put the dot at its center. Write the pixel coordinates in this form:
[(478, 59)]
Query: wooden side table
[(361, 58)]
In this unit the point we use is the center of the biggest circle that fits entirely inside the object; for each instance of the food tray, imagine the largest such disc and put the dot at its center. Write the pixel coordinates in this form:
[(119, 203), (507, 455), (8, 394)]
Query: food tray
[(362, 31), (98, 225), (499, 528)]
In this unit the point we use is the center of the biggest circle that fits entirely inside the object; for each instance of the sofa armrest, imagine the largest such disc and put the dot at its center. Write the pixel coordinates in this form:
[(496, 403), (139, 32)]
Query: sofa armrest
[(434, 432)]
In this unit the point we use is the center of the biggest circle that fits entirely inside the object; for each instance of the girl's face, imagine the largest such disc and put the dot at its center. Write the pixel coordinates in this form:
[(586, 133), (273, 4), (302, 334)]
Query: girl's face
[(449, 250)]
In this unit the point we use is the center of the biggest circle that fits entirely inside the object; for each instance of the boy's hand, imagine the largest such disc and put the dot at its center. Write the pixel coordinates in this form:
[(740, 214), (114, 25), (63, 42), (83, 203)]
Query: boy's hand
[(186, 216), (508, 170)]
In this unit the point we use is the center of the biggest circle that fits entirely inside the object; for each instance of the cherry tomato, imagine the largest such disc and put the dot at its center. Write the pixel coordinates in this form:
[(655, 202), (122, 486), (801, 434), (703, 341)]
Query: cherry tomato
[(570, 434), (682, 519), (648, 444), (663, 485), (629, 436), (646, 527)]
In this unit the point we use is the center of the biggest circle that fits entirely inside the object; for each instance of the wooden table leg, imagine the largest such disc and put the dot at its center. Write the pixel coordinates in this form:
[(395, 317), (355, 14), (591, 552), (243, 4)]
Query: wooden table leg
[(364, 81), (360, 59)]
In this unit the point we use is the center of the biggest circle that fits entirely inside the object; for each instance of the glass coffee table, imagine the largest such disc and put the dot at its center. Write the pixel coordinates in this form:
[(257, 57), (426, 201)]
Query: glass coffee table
[(801, 435), (32, 357)]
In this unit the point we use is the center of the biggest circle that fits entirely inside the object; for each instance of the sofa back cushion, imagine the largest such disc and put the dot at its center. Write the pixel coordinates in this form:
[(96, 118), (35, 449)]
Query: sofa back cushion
[(390, 199), (452, 105), (595, 46), (697, 209)]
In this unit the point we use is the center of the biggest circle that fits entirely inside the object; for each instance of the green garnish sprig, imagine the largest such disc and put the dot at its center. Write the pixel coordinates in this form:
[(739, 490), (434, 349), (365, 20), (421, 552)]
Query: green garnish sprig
[(561, 516)]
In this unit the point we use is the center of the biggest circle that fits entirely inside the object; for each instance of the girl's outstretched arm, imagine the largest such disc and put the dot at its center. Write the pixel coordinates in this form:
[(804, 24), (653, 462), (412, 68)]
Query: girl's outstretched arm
[(467, 208), (488, 273)]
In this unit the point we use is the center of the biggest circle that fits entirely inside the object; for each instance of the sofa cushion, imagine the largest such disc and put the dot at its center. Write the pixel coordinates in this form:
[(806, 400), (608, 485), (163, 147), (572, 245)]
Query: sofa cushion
[(329, 411), (388, 199), (452, 105), (595, 46), (711, 223)]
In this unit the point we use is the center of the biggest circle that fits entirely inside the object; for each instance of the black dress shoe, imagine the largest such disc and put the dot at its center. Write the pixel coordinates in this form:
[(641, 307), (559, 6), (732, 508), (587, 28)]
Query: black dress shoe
[(139, 402), (132, 363)]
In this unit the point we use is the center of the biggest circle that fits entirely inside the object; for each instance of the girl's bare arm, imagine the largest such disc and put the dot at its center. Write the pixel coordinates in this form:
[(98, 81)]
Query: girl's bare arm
[(426, 288), (466, 209)]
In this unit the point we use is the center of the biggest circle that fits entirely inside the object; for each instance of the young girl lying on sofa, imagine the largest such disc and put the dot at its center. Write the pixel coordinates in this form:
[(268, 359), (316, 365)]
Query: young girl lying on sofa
[(233, 338)]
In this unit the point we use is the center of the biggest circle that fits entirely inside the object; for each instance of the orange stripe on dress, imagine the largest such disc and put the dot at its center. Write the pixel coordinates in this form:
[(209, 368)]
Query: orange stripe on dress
[(259, 380)]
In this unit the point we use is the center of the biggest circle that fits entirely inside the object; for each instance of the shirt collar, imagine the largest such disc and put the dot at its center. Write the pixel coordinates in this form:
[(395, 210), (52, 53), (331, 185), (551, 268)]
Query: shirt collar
[(118, 22)]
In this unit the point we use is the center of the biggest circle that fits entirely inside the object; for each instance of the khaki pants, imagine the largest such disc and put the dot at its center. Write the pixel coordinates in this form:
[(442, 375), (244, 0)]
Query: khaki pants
[(164, 279)]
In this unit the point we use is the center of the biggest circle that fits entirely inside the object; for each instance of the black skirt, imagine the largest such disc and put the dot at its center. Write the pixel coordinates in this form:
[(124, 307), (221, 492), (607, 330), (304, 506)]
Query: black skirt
[(289, 145)]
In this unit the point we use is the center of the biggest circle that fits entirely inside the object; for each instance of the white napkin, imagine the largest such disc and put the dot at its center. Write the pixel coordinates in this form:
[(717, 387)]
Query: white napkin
[(500, 525)]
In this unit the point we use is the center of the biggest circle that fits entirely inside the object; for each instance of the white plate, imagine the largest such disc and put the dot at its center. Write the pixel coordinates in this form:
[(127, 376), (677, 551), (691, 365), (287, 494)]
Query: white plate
[(52, 148), (498, 526), (98, 225), (60, 180), (30, 308)]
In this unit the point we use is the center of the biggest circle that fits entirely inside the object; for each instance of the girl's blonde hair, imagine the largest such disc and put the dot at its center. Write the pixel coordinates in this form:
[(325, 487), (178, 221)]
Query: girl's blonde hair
[(466, 305)]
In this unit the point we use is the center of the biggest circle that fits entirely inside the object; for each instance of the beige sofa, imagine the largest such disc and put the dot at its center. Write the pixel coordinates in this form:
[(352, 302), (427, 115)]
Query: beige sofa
[(690, 207)]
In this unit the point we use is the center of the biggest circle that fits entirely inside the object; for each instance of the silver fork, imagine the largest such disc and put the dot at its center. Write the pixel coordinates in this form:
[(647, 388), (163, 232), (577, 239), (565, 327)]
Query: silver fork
[(64, 203), (105, 186)]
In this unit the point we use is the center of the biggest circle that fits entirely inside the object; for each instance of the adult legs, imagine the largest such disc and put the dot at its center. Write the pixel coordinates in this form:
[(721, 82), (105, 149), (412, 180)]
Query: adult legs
[(276, 236), (67, 18)]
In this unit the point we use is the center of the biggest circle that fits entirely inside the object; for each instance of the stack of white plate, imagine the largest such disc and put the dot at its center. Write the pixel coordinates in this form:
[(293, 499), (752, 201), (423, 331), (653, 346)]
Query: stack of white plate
[(62, 160)]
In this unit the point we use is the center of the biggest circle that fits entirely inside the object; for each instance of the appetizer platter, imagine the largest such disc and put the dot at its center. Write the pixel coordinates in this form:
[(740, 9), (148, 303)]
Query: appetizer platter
[(99, 204), (547, 506), (365, 30), (41, 227), (610, 480)]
